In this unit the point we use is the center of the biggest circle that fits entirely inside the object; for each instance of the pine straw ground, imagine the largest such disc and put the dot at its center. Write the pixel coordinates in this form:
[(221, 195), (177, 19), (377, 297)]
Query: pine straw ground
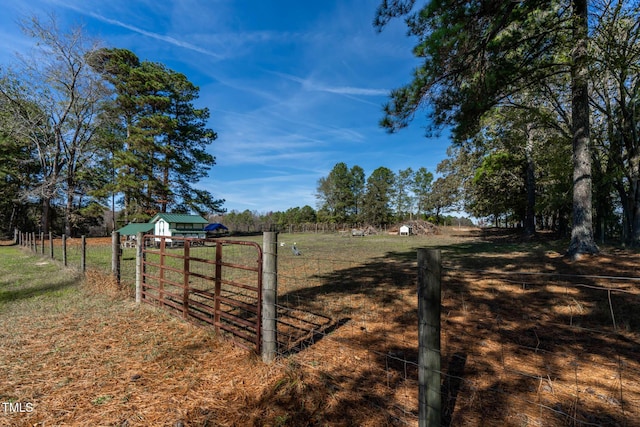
[(517, 350), (99, 360)]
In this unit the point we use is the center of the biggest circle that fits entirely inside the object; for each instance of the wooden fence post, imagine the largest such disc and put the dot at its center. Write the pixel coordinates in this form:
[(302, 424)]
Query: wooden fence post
[(16, 236), (139, 266), (83, 253), (64, 250), (42, 243), (269, 295), (115, 256), (51, 245), (429, 358)]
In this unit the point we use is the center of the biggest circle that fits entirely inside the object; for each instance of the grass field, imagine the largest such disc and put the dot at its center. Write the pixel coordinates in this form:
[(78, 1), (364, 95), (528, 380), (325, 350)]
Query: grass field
[(528, 338)]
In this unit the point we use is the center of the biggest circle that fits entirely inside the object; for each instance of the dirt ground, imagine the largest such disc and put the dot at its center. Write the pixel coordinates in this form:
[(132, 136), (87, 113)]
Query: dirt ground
[(529, 338)]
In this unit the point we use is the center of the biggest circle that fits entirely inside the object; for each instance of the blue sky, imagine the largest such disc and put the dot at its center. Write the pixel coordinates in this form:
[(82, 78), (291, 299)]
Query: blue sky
[(293, 86)]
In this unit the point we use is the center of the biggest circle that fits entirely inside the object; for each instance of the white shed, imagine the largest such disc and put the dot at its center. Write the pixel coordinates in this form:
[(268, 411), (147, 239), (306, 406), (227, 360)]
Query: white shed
[(405, 230), (167, 224)]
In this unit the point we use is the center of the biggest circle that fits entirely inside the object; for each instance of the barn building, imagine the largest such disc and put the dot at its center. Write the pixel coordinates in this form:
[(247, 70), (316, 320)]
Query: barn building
[(179, 225)]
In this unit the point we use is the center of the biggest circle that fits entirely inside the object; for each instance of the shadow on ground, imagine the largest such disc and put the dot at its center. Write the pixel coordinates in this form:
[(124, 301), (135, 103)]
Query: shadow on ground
[(512, 334)]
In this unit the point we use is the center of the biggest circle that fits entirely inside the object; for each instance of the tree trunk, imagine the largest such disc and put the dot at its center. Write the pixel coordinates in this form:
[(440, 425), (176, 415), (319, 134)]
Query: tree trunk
[(46, 213), (12, 224), (582, 240), (634, 208), (530, 218), (68, 213)]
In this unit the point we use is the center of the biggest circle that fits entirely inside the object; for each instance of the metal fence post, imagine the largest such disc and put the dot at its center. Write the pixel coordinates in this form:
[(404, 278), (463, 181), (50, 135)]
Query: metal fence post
[(218, 287), (429, 294), (139, 266), (185, 274), (269, 295)]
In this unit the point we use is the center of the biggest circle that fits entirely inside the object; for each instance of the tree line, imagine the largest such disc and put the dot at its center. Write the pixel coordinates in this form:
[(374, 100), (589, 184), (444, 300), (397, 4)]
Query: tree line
[(346, 195), (542, 97), (347, 198), (304, 219), (84, 128)]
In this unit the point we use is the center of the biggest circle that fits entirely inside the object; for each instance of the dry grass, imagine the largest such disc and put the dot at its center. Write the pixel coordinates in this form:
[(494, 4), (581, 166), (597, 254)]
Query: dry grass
[(517, 350), (102, 361)]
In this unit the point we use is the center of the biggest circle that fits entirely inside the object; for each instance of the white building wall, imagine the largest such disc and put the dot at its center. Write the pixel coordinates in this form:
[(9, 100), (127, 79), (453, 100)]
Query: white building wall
[(162, 228)]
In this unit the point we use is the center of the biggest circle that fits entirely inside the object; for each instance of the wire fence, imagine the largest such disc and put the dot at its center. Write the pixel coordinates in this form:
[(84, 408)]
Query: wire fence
[(86, 254), (355, 322), (521, 348), (541, 348)]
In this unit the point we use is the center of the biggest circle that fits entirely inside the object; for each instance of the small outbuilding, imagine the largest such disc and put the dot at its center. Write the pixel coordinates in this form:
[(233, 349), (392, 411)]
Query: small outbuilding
[(130, 230), (179, 225), (216, 229), (405, 230)]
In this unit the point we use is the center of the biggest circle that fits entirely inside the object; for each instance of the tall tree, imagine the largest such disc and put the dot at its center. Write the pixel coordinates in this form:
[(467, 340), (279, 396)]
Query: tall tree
[(56, 105), (421, 188), (357, 191), (377, 207), (18, 169), (444, 195), (478, 54), (615, 80), (341, 191), (582, 236), (499, 187), (164, 151), (517, 132), (402, 195)]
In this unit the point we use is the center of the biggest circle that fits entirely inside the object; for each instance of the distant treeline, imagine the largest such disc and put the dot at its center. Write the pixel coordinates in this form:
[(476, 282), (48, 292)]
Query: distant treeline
[(305, 219)]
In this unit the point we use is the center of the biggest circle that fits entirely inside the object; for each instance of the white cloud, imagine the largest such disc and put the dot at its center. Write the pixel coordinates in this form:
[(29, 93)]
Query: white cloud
[(311, 85), (161, 37)]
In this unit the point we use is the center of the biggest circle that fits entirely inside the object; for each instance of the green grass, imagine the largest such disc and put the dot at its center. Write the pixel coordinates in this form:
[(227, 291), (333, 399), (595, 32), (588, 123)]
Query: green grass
[(26, 278)]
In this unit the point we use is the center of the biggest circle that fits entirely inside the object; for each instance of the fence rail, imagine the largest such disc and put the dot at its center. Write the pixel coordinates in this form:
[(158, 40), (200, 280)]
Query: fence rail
[(108, 255), (217, 282)]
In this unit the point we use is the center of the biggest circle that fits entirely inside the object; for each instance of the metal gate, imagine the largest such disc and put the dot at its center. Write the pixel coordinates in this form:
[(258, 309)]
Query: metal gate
[(207, 281)]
